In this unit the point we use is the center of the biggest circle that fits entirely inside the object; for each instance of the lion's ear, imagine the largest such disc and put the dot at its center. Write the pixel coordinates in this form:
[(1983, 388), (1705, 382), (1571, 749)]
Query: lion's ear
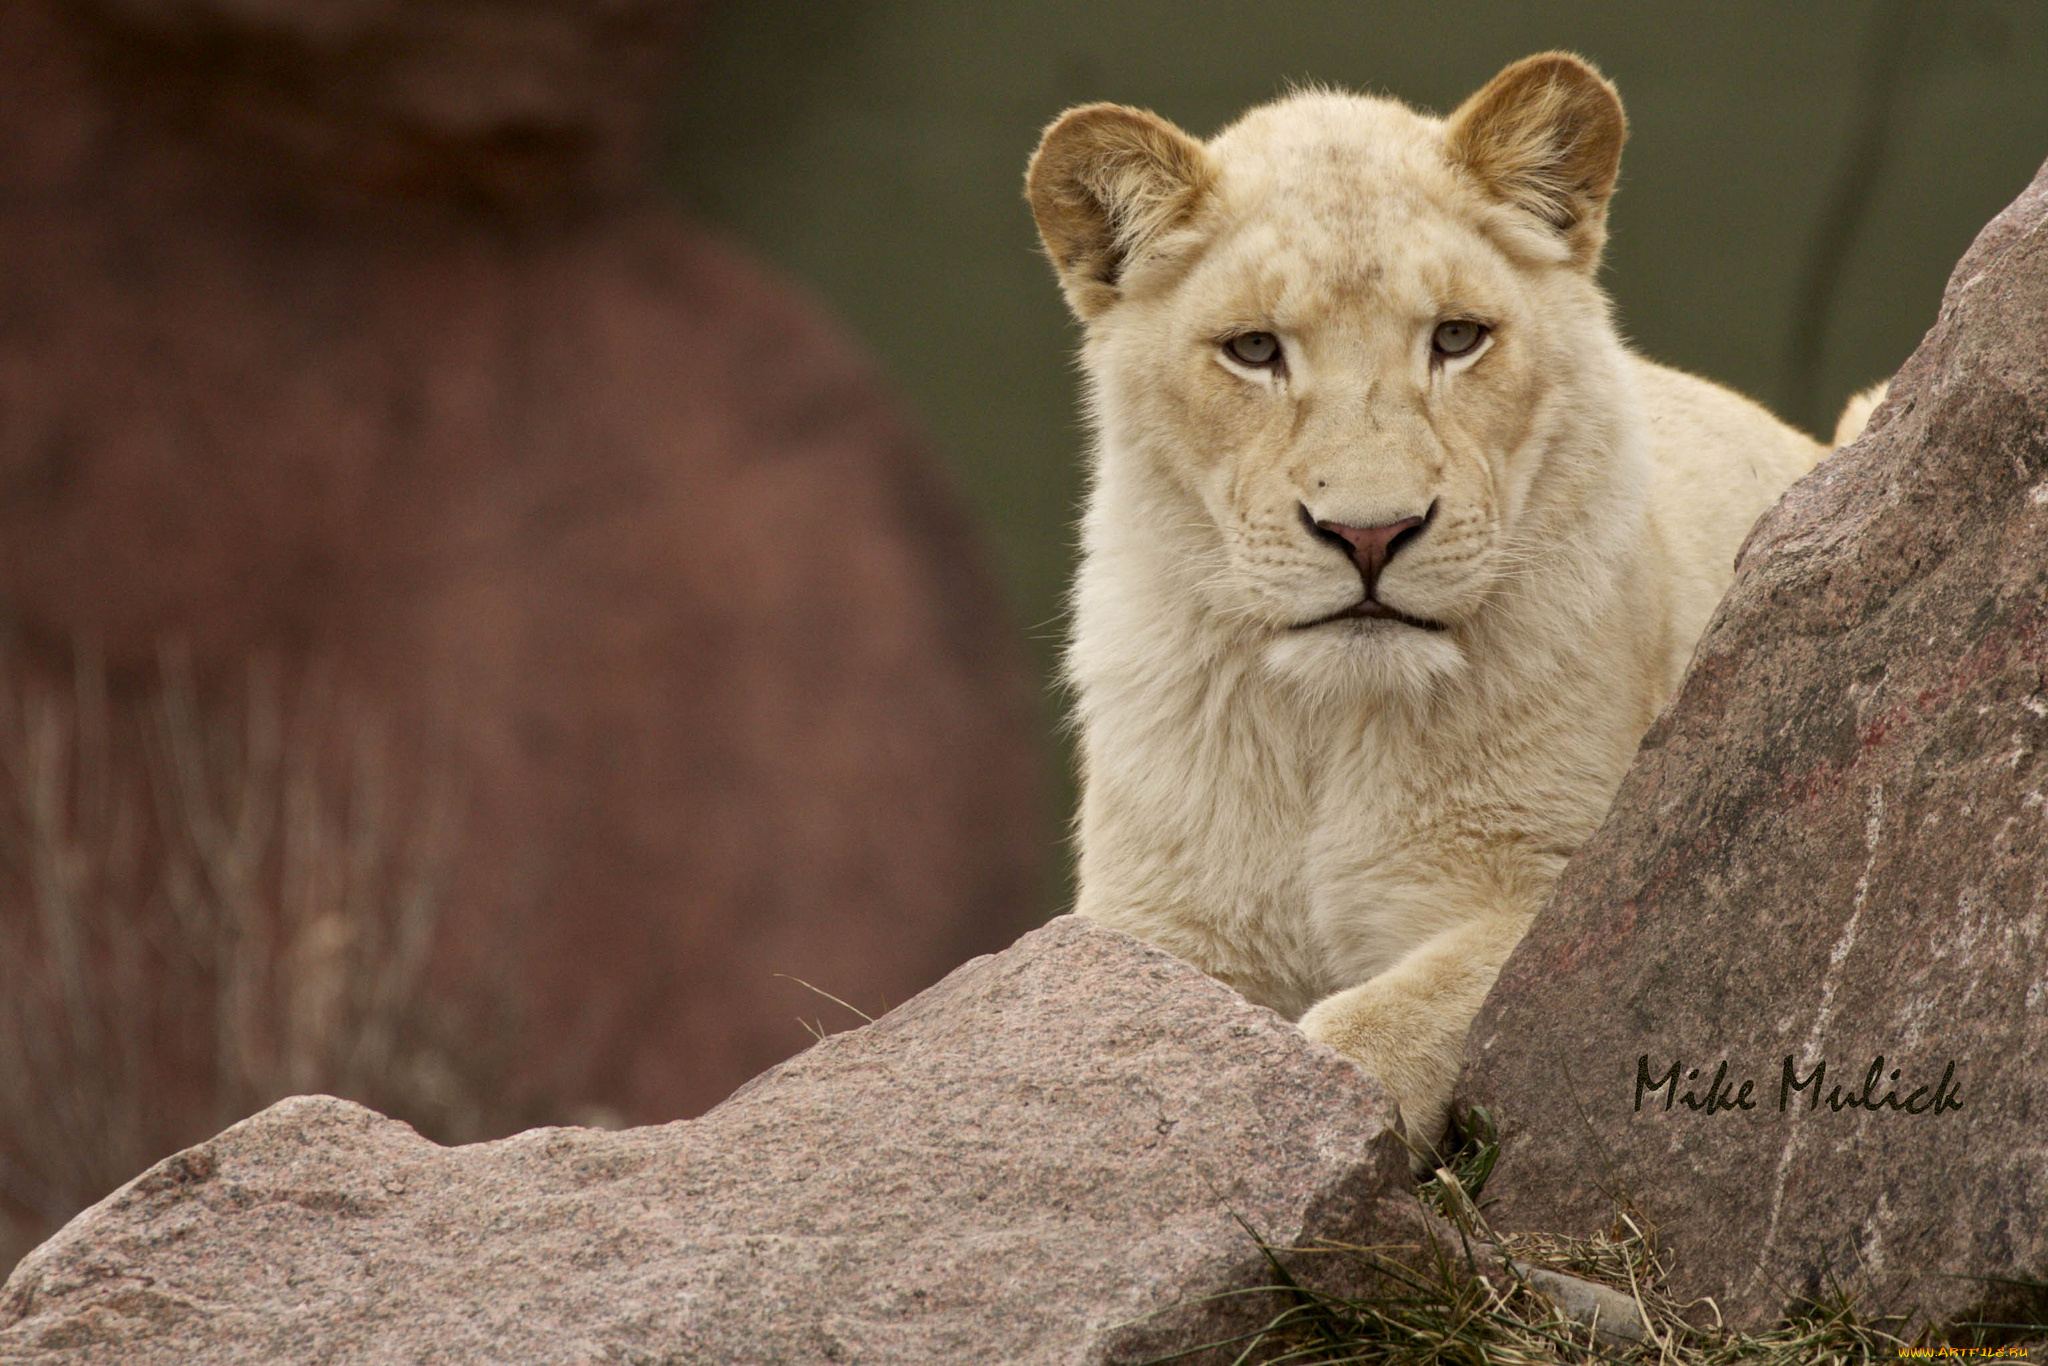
[(1545, 135), (1106, 182)]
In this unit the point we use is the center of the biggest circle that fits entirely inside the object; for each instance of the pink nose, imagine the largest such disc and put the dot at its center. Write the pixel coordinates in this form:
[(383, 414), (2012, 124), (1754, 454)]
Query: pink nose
[(1371, 546)]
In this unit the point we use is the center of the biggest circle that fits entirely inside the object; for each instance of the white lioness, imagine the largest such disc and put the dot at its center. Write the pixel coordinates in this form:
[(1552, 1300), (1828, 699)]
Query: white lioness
[(1393, 548)]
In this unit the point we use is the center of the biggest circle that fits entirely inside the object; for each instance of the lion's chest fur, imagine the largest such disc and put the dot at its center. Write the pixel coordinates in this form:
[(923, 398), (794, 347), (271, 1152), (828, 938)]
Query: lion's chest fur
[(1292, 846)]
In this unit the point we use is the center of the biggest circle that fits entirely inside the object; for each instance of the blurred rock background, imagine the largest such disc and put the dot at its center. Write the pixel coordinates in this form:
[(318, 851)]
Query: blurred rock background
[(474, 641), (475, 634)]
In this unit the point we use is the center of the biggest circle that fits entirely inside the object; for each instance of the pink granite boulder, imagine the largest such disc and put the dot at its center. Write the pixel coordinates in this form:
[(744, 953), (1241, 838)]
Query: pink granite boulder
[(1052, 1156), (1831, 852)]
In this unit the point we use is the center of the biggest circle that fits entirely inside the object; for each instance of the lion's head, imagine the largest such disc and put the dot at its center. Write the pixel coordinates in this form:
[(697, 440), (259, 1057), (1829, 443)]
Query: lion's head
[(1348, 361)]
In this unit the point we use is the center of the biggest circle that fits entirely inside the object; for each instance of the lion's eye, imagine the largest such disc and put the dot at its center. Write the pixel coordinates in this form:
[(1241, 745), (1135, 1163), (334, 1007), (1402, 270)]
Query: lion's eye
[(1253, 348), (1458, 336)]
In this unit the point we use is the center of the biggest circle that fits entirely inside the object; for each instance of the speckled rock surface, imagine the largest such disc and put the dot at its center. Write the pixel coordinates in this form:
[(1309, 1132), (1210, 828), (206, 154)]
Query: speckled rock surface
[(1832, 848), (1050, 1143)]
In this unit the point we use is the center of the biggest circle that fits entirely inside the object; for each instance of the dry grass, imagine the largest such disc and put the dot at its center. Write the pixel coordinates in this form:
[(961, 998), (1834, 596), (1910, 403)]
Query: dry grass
[(1449, 1308), (1467, 1300), (205, 906)]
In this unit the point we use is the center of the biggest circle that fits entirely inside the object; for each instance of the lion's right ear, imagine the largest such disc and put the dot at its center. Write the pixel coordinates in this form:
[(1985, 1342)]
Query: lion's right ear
[(1106, 182)]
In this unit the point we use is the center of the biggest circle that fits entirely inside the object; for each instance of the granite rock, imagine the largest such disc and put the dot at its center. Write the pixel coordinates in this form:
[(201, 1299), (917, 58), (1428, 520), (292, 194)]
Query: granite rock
[(1019, 1165), (1832, 848)]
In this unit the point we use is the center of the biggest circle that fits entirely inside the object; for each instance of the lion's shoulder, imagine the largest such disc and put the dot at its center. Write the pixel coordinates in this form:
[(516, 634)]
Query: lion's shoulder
[(1718, 461)]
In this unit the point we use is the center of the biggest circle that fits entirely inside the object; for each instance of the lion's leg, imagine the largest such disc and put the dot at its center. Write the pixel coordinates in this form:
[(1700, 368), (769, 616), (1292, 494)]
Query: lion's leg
[(1407, 1026)]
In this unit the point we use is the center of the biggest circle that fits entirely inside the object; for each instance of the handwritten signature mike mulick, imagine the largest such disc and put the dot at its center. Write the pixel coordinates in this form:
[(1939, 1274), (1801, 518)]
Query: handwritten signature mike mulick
[(1721, 1096)]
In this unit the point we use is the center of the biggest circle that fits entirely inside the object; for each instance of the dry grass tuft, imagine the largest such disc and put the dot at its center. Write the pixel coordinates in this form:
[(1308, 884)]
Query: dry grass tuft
[(1468, 1297), (1454, 1306), (206, 905)]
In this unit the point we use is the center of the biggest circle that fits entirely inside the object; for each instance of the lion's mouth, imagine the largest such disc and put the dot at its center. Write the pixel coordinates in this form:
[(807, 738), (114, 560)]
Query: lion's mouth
[(1369, 608)]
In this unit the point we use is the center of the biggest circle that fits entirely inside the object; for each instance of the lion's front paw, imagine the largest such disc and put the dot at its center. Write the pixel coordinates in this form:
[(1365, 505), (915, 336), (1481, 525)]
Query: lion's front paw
[(1413, 1056)]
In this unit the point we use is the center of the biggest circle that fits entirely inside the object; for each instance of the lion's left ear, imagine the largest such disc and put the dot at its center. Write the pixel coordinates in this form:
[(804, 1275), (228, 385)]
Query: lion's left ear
[(1545, 135)]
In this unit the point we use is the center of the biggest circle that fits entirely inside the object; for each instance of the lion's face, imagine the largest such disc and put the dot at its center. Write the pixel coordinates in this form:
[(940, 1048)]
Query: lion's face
[(1336, 357)]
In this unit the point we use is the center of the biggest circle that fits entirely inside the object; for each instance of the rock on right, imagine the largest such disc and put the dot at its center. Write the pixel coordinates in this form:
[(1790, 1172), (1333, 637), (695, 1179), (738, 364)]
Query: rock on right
[(1789, 1007)]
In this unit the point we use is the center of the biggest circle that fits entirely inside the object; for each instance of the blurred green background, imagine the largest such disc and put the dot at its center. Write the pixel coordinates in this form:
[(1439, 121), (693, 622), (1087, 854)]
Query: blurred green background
[(1799, 181)]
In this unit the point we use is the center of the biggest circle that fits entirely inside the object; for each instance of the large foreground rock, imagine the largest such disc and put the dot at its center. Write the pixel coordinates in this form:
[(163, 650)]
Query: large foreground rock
[(1051, 1142), (1832, 848)]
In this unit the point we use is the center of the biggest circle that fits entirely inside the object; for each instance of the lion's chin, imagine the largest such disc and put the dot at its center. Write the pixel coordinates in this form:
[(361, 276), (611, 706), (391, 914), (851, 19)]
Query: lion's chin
[(1372, 609), (1357, 655)]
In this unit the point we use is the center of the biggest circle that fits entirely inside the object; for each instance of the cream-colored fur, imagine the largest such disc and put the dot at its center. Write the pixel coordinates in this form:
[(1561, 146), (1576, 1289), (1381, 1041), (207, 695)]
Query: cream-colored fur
[(1857, 411), (1352, 819)]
